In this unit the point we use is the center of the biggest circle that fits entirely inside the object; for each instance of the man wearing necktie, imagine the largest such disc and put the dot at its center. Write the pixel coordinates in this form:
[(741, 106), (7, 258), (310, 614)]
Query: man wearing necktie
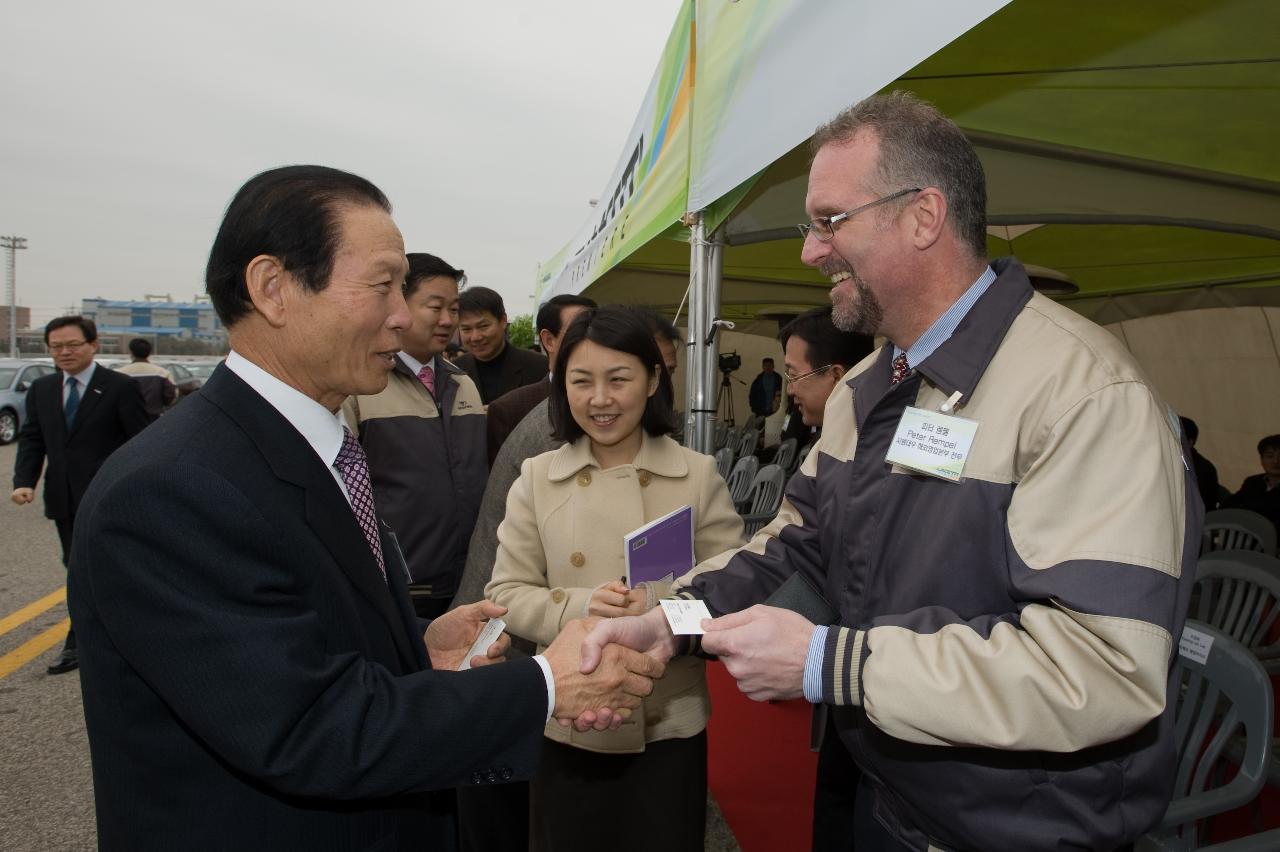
[(76, 418), (998, 662), (425, 439), (253, 673)]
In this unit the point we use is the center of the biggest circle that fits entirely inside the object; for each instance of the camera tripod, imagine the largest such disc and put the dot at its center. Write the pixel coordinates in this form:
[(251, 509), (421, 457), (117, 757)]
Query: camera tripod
[(726, 397)]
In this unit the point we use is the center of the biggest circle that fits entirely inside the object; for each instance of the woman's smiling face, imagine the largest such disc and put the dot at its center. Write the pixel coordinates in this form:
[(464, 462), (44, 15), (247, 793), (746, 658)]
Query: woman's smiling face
[(607, 391)]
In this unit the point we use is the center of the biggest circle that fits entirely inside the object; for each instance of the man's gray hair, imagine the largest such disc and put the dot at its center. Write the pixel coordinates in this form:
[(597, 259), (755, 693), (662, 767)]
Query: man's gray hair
[(919, 147)]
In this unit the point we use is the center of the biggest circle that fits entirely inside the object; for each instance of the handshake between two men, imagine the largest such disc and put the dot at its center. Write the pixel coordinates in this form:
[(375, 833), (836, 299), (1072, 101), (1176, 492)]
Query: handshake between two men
[(603, 667)]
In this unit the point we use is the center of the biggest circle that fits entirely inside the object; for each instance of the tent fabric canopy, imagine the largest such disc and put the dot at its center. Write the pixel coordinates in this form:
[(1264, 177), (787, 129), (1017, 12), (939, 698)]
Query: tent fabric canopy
[(1127, 146)]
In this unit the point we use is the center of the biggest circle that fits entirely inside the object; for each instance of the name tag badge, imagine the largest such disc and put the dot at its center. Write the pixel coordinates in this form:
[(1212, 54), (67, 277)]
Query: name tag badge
[(932, 443)]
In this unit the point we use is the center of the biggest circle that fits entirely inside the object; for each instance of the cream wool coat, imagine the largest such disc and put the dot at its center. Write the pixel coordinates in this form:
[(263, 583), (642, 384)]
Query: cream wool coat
[(562, 537)]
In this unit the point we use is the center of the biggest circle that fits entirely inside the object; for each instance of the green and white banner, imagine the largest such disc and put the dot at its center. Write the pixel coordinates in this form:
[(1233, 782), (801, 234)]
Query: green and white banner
[(649, 186)]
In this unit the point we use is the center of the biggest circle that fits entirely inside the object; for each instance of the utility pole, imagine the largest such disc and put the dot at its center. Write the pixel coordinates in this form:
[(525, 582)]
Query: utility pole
[(12, 244)]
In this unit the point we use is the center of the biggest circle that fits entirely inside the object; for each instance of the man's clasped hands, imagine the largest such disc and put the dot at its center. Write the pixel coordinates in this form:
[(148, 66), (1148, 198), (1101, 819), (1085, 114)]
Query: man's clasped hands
[(604, 667)]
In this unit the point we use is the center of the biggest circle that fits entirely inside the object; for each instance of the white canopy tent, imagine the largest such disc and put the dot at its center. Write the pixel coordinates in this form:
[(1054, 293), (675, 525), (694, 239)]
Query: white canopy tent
[(1126, 145)]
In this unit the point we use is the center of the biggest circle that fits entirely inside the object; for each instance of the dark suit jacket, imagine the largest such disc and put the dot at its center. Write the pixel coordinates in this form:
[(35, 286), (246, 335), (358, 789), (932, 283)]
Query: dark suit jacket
[(249, 679), (1254, 496), (506, 412), (519, 367), (111, 412)]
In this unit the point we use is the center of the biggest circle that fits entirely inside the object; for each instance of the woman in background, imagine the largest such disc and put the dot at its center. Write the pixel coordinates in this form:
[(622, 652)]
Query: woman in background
[(560, 557)]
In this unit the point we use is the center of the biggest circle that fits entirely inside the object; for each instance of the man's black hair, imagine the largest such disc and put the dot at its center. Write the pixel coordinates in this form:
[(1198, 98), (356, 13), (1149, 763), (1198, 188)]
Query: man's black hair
[(474, 300), (826, 343), (1271, 442), (552, 310), (291, 213), (140, 348), (86, 325), (423, 266)]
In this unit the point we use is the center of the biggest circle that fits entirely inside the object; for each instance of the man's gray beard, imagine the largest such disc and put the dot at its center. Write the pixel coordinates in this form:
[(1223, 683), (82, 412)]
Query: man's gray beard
[(861, 315)]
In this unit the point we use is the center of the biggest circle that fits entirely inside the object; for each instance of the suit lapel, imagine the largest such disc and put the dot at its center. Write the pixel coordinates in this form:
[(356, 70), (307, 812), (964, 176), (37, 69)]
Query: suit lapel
[(330, 517), (328, 513), (398, 579)]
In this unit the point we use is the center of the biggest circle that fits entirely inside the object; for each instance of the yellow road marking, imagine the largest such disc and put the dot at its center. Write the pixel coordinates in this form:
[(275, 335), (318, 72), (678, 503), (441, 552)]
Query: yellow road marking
[(32, 648), (31, 610)]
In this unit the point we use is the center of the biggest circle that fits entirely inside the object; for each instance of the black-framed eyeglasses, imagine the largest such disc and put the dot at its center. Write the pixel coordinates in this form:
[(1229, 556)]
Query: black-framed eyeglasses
[(824, 227), (69, 346), (800, 378)]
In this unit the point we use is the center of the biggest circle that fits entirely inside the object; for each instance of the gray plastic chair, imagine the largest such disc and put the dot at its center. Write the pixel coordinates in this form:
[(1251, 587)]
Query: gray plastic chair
[(747, 442), (785, 457), (764, 499), (741, 477), (721, 435), (802, 455), (1238, 592), (1226, 694), (724, 462), (1237, 529)]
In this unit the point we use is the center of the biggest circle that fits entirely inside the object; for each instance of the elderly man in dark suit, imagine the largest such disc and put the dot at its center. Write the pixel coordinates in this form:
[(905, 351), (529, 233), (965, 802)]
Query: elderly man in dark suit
[(254, 676), (75, 419)]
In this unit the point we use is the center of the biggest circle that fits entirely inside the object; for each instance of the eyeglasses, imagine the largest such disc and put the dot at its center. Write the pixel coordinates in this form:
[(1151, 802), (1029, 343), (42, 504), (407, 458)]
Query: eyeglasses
[(803, 376), (69, 346), (824, 227)]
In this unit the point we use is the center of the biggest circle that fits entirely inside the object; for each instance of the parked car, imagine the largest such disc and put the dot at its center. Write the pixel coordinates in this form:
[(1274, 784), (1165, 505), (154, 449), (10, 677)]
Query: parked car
[(187, 381), (16, 377)]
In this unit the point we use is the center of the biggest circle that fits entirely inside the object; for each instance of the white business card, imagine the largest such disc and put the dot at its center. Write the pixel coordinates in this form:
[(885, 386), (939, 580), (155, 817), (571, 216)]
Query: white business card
[(492, 630), (685, 616)]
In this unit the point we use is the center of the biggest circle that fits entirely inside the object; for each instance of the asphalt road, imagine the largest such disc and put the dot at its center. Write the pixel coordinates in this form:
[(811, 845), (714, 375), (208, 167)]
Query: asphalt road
[(46, 795)]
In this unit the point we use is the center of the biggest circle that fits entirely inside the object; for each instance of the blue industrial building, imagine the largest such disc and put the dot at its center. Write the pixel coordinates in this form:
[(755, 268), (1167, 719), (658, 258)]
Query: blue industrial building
[(187, 320)]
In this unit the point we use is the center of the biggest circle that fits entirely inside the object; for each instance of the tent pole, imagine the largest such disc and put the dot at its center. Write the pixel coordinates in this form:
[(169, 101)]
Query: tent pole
[(712, 281), (696, 396)]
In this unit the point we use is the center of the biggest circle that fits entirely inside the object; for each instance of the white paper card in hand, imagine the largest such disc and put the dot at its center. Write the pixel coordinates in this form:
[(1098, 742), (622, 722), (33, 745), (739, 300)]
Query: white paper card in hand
[(685, 617), (492, 630)]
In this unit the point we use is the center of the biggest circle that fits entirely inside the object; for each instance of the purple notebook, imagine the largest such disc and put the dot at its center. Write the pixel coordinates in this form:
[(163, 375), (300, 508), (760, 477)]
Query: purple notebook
[(661, 549)]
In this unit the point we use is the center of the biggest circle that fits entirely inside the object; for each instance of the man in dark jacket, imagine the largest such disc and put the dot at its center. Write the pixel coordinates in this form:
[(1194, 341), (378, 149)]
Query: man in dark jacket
[(1261, 492), (75, 419), (493, 363), (425, 439)]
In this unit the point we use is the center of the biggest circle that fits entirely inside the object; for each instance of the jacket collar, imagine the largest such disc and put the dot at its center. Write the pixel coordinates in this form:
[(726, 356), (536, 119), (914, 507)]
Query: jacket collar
[(959, 363), (660, 456)]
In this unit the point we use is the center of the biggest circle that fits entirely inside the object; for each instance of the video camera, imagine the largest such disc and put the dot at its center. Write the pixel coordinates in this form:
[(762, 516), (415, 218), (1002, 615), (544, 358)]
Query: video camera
[(730, 361)]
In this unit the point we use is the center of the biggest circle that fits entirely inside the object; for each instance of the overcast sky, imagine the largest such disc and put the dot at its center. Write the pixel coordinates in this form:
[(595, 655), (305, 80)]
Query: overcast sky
[(128, 126)]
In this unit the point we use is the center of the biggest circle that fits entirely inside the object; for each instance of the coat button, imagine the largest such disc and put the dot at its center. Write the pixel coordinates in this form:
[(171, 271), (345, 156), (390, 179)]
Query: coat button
[(584, 478), (557, 595), (645, 478), (578, 559)]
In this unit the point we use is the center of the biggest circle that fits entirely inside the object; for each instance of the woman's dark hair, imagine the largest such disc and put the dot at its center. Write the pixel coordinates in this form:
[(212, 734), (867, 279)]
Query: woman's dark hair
[(622, 329)]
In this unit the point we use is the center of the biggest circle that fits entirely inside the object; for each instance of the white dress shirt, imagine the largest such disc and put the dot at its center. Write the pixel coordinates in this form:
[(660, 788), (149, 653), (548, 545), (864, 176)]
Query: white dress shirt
[(83, 378)]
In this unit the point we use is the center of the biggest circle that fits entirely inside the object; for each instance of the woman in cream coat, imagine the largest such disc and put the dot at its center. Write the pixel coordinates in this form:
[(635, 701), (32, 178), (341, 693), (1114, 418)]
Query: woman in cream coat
[(560, 557)]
